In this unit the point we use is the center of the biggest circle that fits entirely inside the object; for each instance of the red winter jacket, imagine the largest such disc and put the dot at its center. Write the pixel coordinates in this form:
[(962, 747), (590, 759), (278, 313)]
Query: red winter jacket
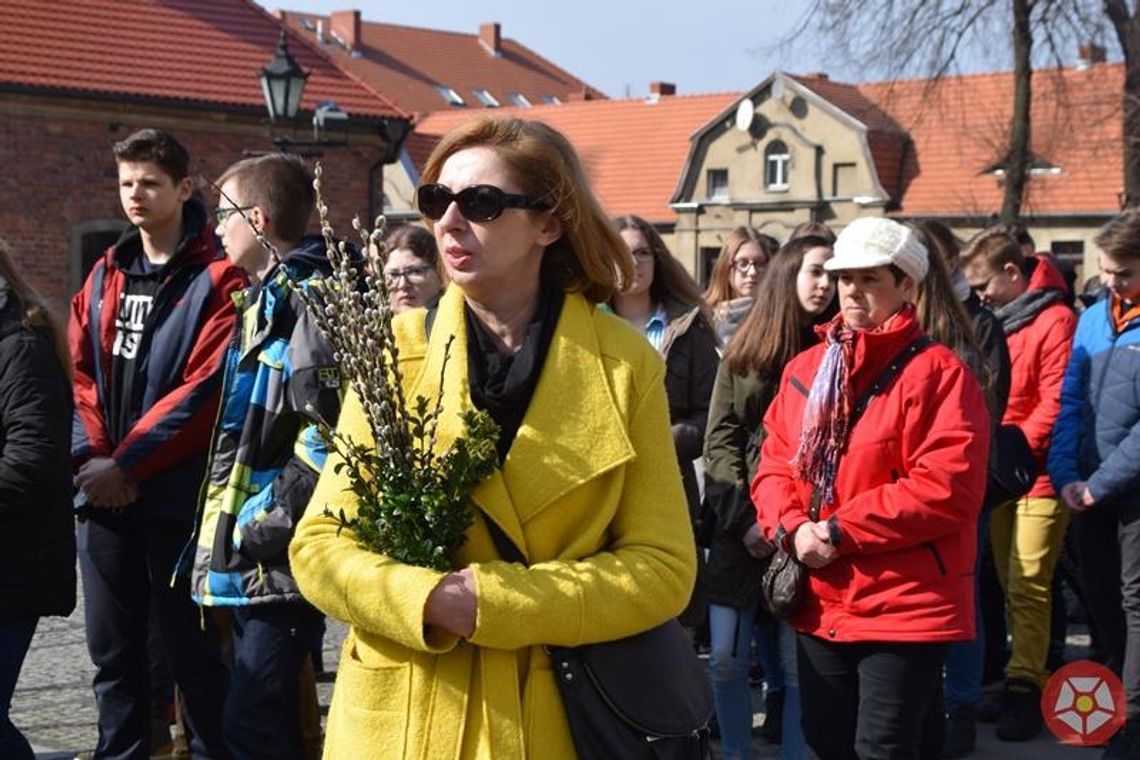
[(1039, 353), (908, 493)]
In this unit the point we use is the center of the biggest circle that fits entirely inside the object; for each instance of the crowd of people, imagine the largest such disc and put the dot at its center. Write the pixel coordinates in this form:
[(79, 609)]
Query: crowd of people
[(850, 402)]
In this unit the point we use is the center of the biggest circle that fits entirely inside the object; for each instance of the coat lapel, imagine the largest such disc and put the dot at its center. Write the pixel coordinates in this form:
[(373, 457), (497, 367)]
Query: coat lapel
[(555, 450)]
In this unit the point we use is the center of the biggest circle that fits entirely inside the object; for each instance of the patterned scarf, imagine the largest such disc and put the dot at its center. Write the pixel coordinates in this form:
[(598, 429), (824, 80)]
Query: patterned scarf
[(827, 414)]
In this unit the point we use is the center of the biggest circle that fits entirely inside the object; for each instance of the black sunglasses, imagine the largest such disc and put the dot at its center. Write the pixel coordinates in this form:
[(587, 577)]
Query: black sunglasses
[(478, 203)]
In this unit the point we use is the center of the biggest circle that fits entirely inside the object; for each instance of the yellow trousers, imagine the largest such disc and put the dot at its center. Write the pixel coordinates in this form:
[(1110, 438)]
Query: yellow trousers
[(1027, 536)]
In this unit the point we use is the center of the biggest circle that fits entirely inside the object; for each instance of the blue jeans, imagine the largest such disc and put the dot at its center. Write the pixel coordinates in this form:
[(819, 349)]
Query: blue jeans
[(262, 712), (792, 744), (730, 633), (15, 638), (965, 660)]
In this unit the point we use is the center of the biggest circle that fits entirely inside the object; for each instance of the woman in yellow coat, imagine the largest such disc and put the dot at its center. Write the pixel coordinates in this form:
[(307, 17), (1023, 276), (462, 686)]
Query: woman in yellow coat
[(452, 665)]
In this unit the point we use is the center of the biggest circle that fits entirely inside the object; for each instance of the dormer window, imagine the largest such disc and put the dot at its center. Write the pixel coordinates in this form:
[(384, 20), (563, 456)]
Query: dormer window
[(518, 99), (716, 188), (486, 98), (777, 161), (450, 96), (552, 100)]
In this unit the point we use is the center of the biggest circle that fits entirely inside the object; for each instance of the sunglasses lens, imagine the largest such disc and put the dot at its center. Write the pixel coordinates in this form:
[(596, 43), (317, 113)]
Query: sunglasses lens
[(433, 201), (481, 203)]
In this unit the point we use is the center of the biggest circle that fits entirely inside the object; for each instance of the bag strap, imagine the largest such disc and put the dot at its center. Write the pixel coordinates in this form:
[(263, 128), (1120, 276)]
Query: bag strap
[(887, 376), (503, 544)]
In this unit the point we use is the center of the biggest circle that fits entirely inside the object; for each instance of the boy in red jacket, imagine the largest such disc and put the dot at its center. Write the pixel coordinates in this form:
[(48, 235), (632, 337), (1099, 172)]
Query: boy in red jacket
[(147, 335), (1028, 297)]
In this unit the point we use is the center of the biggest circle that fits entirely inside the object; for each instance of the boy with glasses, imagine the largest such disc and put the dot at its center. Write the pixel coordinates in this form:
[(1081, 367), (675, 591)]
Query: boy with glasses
[(147, 335), (281, 381), (1028, 297), (1095, 462)]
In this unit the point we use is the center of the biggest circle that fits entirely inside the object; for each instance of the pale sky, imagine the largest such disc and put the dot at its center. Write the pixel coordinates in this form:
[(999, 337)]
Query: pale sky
[(618, 46)]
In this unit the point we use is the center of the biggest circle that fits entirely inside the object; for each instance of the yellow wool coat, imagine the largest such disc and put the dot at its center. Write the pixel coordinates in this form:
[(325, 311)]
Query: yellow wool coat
[(590, 492)]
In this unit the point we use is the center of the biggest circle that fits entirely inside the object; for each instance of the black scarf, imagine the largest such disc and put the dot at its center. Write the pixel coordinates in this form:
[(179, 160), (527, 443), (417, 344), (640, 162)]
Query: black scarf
[(503, 385)]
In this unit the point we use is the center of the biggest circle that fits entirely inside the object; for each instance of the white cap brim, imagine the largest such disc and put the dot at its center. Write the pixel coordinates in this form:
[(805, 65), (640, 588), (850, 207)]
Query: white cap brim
[(855, 260)]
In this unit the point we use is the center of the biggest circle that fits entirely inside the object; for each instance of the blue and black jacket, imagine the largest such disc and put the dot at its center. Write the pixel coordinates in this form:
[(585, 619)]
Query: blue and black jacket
[(280, 380), (1097, 435)]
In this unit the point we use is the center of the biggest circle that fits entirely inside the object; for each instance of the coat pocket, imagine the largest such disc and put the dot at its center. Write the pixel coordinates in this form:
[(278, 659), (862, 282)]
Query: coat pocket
[(371, 707)]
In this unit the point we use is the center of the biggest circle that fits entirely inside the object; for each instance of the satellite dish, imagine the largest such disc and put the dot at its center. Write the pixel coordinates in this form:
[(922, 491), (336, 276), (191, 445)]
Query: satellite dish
[(745, 112), (778, 88)]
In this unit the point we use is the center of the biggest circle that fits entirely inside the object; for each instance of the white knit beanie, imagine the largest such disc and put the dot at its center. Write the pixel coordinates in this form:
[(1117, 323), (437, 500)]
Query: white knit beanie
[(875, 242)]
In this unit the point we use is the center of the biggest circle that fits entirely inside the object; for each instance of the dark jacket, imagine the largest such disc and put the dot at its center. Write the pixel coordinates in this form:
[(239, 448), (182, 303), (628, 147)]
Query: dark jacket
[(37, 530), (689, 350), (1097, 434), (732, 452), (178, 373), (280, 381)]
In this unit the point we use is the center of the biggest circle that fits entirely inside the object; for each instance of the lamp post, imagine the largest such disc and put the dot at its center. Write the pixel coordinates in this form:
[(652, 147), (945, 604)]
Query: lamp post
[(282, 83)]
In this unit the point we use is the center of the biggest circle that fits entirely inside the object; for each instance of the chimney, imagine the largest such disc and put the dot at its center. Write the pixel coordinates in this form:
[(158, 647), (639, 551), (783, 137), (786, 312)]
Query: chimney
[(490, 37), (582, 94), (345, 29), (661, 89), (1090, 53)]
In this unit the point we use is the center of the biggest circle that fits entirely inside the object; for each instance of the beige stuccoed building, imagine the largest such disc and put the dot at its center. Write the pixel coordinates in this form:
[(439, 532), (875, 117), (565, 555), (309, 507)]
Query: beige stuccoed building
[(800, 148)]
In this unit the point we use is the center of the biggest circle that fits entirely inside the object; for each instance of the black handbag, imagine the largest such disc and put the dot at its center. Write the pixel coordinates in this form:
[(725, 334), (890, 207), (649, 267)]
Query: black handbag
[(784, 584), (1012, 466), (646, 696), (785, 581)]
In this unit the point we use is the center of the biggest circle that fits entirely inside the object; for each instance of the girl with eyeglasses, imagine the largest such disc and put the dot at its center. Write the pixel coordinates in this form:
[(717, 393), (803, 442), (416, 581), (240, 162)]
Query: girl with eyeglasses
[(735, 278), (411, 269), (455, 664), (663, 302)]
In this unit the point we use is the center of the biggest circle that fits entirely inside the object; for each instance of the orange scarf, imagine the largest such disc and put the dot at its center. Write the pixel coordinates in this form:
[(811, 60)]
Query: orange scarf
[(1121, 316)]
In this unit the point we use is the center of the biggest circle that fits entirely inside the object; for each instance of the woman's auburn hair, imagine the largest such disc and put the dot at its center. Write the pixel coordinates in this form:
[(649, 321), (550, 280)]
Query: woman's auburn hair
[(720, 279), (772, 333), (590, 256)]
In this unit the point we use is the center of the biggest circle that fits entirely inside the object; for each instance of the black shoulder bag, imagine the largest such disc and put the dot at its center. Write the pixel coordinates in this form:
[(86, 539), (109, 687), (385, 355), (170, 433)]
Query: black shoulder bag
[(645, 697), (785, 581)]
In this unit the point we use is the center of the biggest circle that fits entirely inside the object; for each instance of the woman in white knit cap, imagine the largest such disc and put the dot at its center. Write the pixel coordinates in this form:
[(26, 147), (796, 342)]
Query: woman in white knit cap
[(871, 475)]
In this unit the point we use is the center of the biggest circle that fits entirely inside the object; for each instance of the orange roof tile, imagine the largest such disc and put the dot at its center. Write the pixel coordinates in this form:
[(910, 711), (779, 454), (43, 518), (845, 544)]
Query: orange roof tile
[(407, 63), (206, 51), (633, 150), (959, 129)]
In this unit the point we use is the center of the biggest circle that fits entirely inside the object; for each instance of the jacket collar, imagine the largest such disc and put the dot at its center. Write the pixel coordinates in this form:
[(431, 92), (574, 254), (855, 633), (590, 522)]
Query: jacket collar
[(874, 349), (553, 452)]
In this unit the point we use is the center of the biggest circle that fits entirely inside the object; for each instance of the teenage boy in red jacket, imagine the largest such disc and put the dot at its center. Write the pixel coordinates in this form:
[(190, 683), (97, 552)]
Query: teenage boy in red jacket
[(147, 334), (1028, 297)]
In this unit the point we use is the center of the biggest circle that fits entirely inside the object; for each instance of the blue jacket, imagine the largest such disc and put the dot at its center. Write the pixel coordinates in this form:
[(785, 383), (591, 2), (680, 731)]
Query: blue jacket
[(280, 379), (1097, 435)]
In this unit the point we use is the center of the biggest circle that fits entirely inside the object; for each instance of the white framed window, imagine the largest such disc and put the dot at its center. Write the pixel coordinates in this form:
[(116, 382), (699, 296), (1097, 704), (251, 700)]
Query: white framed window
[(552, 100), (450, 96), (519, 99), (777, 161), (716, 184), (486, 98)]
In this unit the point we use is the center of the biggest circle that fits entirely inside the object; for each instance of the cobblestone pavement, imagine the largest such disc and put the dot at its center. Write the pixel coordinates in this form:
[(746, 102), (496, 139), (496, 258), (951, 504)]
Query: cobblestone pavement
[(55, 707)]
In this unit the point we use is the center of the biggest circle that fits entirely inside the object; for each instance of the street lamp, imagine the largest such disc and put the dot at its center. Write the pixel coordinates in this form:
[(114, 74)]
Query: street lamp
[(282, 82)]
